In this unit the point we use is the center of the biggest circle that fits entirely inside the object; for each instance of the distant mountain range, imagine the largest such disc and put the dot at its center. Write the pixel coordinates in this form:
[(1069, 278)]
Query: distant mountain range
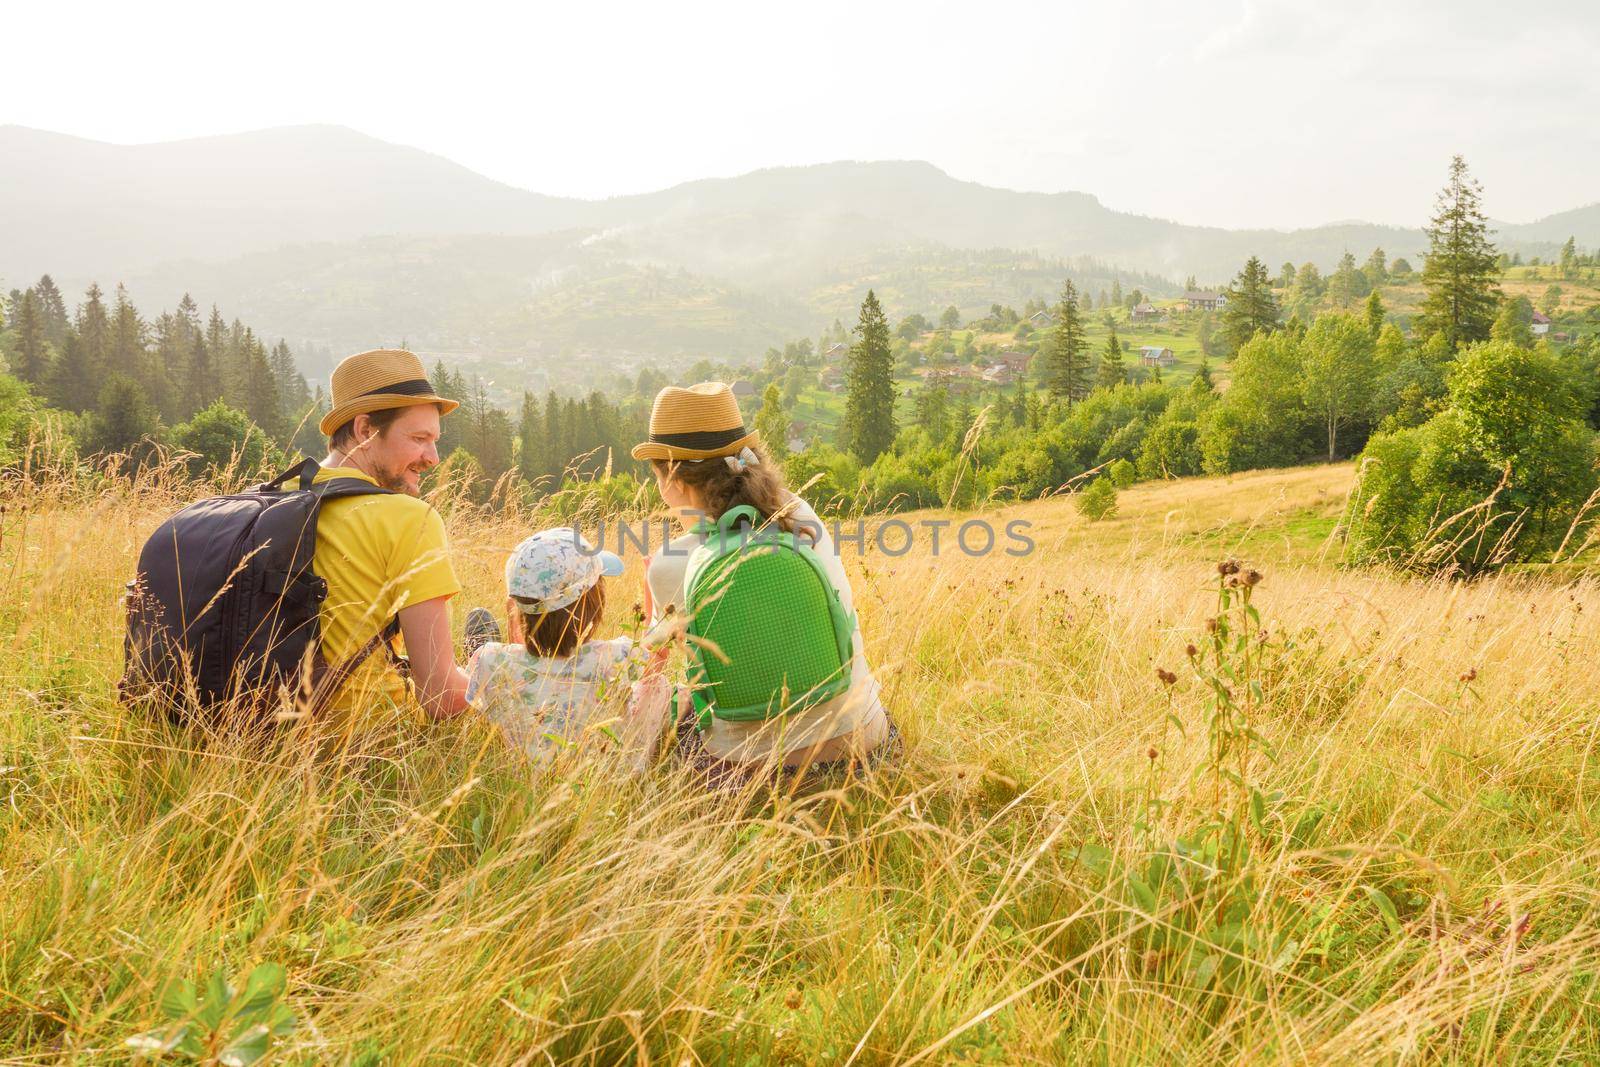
[(264, 213)]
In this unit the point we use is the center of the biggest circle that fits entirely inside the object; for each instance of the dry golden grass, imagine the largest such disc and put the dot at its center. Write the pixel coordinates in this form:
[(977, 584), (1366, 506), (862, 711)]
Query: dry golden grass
[(432, 901)]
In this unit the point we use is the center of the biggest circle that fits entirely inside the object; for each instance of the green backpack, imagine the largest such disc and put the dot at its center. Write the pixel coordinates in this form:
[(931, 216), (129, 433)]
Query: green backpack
[(767, 633)]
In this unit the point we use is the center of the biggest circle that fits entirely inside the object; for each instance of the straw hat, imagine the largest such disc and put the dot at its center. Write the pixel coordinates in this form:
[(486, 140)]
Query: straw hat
[(700, 422), (379, 379)]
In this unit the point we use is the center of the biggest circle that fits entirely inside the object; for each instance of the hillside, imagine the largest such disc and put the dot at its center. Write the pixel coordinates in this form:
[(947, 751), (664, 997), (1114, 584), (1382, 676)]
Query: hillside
[(1409, 876), (74, 205)]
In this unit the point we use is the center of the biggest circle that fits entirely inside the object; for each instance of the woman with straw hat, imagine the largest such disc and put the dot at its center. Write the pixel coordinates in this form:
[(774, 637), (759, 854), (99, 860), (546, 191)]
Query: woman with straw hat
[(707, 463)]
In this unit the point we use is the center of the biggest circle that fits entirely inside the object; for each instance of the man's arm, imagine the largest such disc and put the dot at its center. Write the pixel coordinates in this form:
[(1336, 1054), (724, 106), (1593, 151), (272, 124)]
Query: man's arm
[(441, 685)]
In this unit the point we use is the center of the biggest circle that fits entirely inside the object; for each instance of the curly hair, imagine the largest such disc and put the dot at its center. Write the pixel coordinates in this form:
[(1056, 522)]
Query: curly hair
[(722, 488)]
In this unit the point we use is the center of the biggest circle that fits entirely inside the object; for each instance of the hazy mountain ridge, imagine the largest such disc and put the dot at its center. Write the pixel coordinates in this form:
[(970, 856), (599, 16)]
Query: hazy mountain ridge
[(279, 224)]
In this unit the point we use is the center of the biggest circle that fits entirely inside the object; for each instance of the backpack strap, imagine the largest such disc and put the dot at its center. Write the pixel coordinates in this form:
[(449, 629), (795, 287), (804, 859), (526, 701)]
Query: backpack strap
[(322, 692), (306, 470)]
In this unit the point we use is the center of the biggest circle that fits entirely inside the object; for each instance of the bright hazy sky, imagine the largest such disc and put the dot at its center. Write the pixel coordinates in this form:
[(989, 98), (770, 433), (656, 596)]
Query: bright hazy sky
[(1227, 112)]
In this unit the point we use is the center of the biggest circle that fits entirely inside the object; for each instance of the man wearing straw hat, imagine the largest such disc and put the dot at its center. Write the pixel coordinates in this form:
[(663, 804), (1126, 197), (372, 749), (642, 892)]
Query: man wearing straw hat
[(385, 557)]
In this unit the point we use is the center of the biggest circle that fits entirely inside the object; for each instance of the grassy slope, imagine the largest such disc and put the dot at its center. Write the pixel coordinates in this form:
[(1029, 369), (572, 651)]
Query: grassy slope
[(433, 901)]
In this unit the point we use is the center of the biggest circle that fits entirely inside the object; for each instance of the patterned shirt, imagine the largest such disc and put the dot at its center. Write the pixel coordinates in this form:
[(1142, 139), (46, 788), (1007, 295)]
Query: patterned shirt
[(545, 703)]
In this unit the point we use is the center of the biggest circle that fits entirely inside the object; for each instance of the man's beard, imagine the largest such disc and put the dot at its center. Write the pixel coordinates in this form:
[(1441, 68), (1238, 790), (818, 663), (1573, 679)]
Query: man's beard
[(395, 479)]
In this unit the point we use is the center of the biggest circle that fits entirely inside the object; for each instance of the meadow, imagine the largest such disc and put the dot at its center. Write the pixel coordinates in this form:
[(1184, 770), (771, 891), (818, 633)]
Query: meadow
[(1147, 811)]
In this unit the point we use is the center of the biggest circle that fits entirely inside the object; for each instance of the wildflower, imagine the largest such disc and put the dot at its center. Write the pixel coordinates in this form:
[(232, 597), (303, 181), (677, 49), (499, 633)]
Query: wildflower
[(792, 1000), (1228, 567), (1190, 651), (1166, 676), (1251, 578), (1152, 753)]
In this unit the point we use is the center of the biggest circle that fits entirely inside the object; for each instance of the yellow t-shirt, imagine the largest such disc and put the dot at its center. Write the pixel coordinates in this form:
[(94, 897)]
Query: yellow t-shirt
[(378, 554)]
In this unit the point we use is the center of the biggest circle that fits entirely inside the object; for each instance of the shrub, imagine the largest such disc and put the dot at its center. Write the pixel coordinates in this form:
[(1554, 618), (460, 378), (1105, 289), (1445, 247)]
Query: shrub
[(222, 438), (1500, 476), (1122, 474), (1099, 501)]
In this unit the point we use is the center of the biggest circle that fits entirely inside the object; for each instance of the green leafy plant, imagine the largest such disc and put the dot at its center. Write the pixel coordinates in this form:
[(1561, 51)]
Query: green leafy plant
[(222, 1024), (1099, 501)]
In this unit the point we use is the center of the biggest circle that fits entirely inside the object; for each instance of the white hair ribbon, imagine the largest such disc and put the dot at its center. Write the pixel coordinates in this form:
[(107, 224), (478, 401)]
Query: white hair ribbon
[(745, 458)]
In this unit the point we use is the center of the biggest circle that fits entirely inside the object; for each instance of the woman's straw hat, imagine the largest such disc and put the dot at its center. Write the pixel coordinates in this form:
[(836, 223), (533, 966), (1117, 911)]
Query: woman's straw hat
[(379, 379), (700, 422)]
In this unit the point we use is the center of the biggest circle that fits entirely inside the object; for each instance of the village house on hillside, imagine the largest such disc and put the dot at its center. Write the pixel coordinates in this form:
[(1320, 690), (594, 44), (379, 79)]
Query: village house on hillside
[(1042, 319), (1156, 356), (1204, 300), (957, 381), (1016, 361), (831, 378), (837, 350), (1146, 313), (1541, 324), (743, 390)]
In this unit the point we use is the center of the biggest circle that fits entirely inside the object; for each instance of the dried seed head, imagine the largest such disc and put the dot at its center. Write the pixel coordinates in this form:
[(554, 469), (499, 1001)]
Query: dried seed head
[(1469, 674), (1211, 626), (1227, 567), (1152, 753), (1166, 676), (1251, 578), (792, 1000), (1191, 651)]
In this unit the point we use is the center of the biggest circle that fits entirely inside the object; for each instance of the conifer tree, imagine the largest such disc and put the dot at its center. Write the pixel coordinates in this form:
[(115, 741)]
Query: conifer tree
[(1459, 273), (1112, 371), (52, 311), (1251, 307), (772, 422), (530, 432), (260, 390), (1376, 268), (1067, 374), (868, 428), (123, 418), (32, 355), (94, 338), (1374, 313), (1201, 383), (204, 384), (554, 460)]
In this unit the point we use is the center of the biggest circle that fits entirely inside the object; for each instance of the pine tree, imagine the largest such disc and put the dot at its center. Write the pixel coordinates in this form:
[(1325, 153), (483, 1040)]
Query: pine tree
[(1116, 292), (293, 391), (868, 428), (32, 355), (555, 460), (123, 419), (52, 311), (1375, 269), (1201, 384), (94, 343), (1569, 258), (1459, 273), (1374, 313), (221, 358), (1347, 284), (1067, 374), (259, 389), (1112, 371), (204, 384), (772, 422), (530, 439), (1250, 307)]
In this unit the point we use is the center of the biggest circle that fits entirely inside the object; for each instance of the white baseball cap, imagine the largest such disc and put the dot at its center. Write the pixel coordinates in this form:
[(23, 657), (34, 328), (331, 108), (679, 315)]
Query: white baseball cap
[(553, 568)]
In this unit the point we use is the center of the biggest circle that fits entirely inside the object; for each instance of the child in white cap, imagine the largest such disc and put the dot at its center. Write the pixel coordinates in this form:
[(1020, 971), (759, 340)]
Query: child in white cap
[(550, 683)]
